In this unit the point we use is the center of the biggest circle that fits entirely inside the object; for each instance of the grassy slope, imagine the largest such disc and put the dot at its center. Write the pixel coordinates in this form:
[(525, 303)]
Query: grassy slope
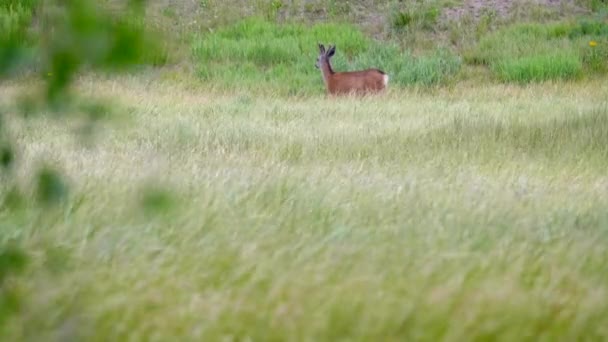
[(476, 212)]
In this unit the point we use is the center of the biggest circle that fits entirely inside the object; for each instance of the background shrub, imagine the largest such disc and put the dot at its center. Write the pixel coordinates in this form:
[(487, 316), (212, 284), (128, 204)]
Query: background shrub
[(538, 52), (559, 65), (16, 36)]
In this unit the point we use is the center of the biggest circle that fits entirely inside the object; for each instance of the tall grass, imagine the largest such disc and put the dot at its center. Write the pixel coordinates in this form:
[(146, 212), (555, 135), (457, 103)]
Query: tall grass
[(16, 36), (256, 52), (476, 213), (536, 52), (560, 65)]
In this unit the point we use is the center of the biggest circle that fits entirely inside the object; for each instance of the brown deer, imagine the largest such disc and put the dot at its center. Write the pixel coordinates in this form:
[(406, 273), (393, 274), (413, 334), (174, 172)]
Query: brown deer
[(357, 82)]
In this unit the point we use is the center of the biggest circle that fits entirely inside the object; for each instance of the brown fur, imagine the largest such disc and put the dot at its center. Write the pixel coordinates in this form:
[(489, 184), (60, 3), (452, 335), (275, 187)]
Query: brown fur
[(355, 82)]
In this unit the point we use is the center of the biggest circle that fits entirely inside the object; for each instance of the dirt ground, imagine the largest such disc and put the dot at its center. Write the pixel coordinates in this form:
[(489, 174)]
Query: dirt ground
[(504, 8)]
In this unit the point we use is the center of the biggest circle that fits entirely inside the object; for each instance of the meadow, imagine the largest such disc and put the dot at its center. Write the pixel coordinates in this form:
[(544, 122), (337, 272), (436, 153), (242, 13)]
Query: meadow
[(226, 198), (471, 213)]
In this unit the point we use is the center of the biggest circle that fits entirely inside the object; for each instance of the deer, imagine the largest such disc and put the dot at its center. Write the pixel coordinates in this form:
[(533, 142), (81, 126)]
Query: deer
[(349, 82)]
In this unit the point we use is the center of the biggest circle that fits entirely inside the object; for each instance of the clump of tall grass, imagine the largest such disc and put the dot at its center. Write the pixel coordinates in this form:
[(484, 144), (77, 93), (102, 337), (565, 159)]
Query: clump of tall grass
[(15, 34), (424, 16), (255, 52), (14, 19), (538, 52), (559, 65)]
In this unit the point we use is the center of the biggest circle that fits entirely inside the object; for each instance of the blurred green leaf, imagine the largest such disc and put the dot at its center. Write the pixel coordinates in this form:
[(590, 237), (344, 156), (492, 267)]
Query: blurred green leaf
[(155, 200), (7, 156), (51, 188), (12, 261), (87, 35), (57, 41), (64, 65)]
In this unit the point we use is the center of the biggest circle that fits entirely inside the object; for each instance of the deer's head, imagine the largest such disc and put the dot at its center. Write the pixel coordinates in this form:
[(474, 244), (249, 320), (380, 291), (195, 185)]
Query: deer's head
[(325, 55)]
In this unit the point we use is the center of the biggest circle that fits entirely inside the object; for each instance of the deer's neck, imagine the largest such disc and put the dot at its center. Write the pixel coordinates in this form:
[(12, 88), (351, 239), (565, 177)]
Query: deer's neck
[(327, 71)]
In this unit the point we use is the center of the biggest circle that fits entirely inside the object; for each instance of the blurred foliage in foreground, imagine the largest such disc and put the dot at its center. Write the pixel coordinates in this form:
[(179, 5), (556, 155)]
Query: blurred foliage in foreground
[(57, 39), (54, 41)]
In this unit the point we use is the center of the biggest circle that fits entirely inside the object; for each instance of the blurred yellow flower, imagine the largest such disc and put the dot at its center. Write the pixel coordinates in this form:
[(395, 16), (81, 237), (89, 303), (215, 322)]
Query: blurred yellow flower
[(592, 43)]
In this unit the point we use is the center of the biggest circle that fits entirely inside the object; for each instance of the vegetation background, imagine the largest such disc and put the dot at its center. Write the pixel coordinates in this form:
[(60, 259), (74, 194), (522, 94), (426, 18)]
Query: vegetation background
[(173, 170)]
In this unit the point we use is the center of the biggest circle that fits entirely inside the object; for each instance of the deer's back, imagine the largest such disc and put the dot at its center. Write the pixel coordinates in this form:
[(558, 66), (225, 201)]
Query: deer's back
[(370, 80)]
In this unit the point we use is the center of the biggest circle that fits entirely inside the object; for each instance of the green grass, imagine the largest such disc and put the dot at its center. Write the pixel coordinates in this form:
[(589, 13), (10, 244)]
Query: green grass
[(422, 15), (222, 208), (539, 68), (255, 53), (538, 52), (15, 19), (474, 213)]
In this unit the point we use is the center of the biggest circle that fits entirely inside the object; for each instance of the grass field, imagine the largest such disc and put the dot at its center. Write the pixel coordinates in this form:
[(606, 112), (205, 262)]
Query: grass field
[(469, 213), (217, 194)]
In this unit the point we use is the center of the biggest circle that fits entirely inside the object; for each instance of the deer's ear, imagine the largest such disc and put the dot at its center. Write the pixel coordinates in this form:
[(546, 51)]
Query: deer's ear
[(321, 48), (331, 51)]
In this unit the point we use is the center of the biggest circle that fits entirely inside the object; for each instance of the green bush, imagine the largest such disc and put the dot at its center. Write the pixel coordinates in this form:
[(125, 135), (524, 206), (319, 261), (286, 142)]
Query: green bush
[(15, 36), (589, 27), (254, 53), (431, 69), (539, 68), (516, 42), (413, 16), (538, 52), (425, 19)]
